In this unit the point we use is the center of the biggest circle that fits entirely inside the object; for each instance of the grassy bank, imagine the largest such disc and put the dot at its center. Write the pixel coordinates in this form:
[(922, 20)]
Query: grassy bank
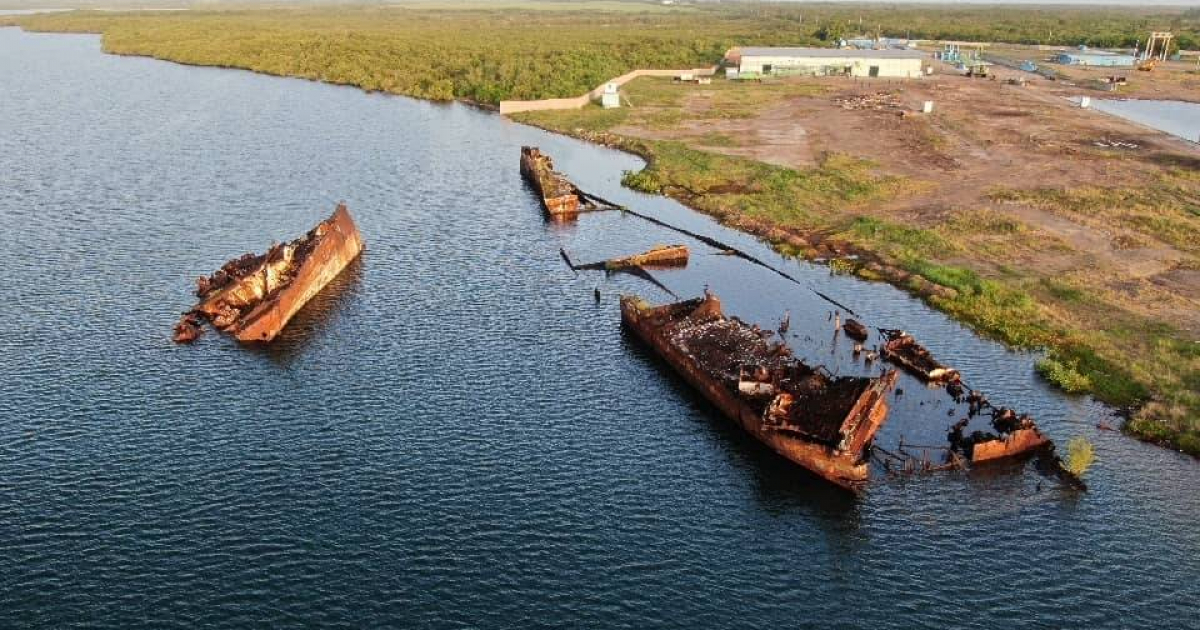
[(963, 265), (972, 262)]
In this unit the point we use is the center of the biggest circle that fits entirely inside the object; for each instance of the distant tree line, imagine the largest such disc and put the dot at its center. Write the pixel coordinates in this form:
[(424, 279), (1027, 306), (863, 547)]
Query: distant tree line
[(529, 53)]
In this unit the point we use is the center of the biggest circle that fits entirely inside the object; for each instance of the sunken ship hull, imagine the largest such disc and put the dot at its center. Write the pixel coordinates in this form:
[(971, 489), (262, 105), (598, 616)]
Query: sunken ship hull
[(852, 411), (253, 298), (559, 196), (662, 256)]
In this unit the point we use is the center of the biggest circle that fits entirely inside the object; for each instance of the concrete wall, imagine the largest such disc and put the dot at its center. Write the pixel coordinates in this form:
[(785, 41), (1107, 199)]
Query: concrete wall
[(859, 66), (577, 102)]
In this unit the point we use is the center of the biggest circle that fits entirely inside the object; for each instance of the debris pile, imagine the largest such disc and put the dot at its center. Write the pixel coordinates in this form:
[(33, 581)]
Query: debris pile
[(1109, 143), (1014, 435), (879, 101)]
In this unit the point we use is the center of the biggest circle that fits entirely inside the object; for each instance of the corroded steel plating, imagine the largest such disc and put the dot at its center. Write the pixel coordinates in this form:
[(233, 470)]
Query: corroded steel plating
[(842, 460), (560, 197), (254, 297)]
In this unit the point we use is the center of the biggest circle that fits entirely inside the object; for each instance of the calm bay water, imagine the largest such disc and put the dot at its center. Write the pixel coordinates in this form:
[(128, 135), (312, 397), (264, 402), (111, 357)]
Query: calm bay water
[(456, 435)]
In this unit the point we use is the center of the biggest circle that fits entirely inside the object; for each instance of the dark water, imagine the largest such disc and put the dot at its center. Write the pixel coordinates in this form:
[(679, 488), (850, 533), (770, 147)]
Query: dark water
[(457, 436)]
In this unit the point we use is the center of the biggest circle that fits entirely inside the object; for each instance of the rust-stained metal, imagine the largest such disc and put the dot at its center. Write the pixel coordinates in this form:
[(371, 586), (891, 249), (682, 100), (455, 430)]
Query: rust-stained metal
[(855, 330), (560, 198), (819, 421), (1015, 436), (1015, 444), (659, 256), (253, 297), (903, 350)]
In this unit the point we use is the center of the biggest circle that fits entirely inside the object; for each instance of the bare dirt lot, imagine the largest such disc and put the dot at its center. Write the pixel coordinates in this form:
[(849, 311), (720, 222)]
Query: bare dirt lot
[(985, 139)]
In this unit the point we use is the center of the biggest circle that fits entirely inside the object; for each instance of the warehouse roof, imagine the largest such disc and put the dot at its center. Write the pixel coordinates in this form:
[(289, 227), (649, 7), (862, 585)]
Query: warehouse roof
[(826, 53)]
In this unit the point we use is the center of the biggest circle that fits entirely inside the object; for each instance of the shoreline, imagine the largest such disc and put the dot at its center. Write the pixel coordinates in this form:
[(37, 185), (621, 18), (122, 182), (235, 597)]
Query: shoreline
[(813, 245)]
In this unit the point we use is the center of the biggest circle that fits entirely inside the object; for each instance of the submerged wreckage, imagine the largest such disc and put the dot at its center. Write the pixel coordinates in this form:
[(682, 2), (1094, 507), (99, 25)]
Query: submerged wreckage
[(560, 198), (659, 256), (822, 422), (254, 296), (903, 350), (1015, 435)]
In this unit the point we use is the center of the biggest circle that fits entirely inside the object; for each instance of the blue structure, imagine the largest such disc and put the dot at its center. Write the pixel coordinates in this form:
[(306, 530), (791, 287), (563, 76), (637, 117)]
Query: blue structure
[(1102, 58)]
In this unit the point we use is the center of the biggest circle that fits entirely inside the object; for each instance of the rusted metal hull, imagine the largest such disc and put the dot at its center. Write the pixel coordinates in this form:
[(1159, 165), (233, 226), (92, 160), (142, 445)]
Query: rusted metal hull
[(844, 464), (1015, 444), (904, 351), (258, 301), (662, 256), (560, 198), (339, 246)]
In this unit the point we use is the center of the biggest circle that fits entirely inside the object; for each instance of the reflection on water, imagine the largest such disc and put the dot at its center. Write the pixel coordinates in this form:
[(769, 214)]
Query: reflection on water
[(317, 317), (457, 434)]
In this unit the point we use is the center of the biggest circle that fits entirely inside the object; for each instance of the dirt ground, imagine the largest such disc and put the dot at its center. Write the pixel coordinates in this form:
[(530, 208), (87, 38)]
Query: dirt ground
[(986, 135)]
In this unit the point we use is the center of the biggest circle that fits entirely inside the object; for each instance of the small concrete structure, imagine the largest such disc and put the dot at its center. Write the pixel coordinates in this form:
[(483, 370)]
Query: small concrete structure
[(611, 98), (827, 61)]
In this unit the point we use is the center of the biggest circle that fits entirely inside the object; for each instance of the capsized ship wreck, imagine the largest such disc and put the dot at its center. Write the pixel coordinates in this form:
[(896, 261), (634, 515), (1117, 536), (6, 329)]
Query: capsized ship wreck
[(560, 197), (253, 297), (822, 422)]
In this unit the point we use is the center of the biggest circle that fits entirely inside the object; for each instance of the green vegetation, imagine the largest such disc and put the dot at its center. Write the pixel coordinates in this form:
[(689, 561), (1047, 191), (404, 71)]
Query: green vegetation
[(487, 52), (1080, 455), (1092, 346)]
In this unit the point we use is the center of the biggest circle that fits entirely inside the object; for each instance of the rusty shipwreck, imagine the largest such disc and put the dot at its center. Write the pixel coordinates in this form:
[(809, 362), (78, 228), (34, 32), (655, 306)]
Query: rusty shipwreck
[(903, 350), (560, 198), (660, 256), (253, 297), (821, 422), (1015, 435)]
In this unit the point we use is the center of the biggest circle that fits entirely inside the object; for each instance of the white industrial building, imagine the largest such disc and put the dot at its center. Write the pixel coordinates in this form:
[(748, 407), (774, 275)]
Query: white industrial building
[(826, 61)]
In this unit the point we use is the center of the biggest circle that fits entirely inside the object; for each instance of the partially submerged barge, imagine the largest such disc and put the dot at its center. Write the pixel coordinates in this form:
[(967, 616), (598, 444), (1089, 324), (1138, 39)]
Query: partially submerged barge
[(253, 297), (1016, 436), (659, 256), (560, 198), (903, 350), (819, 421)]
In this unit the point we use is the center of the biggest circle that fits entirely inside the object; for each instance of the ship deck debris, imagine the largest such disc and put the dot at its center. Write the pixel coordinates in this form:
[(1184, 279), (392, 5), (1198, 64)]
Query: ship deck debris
[(253, 297), (823, 422), (1015, 435), (902, 349)]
